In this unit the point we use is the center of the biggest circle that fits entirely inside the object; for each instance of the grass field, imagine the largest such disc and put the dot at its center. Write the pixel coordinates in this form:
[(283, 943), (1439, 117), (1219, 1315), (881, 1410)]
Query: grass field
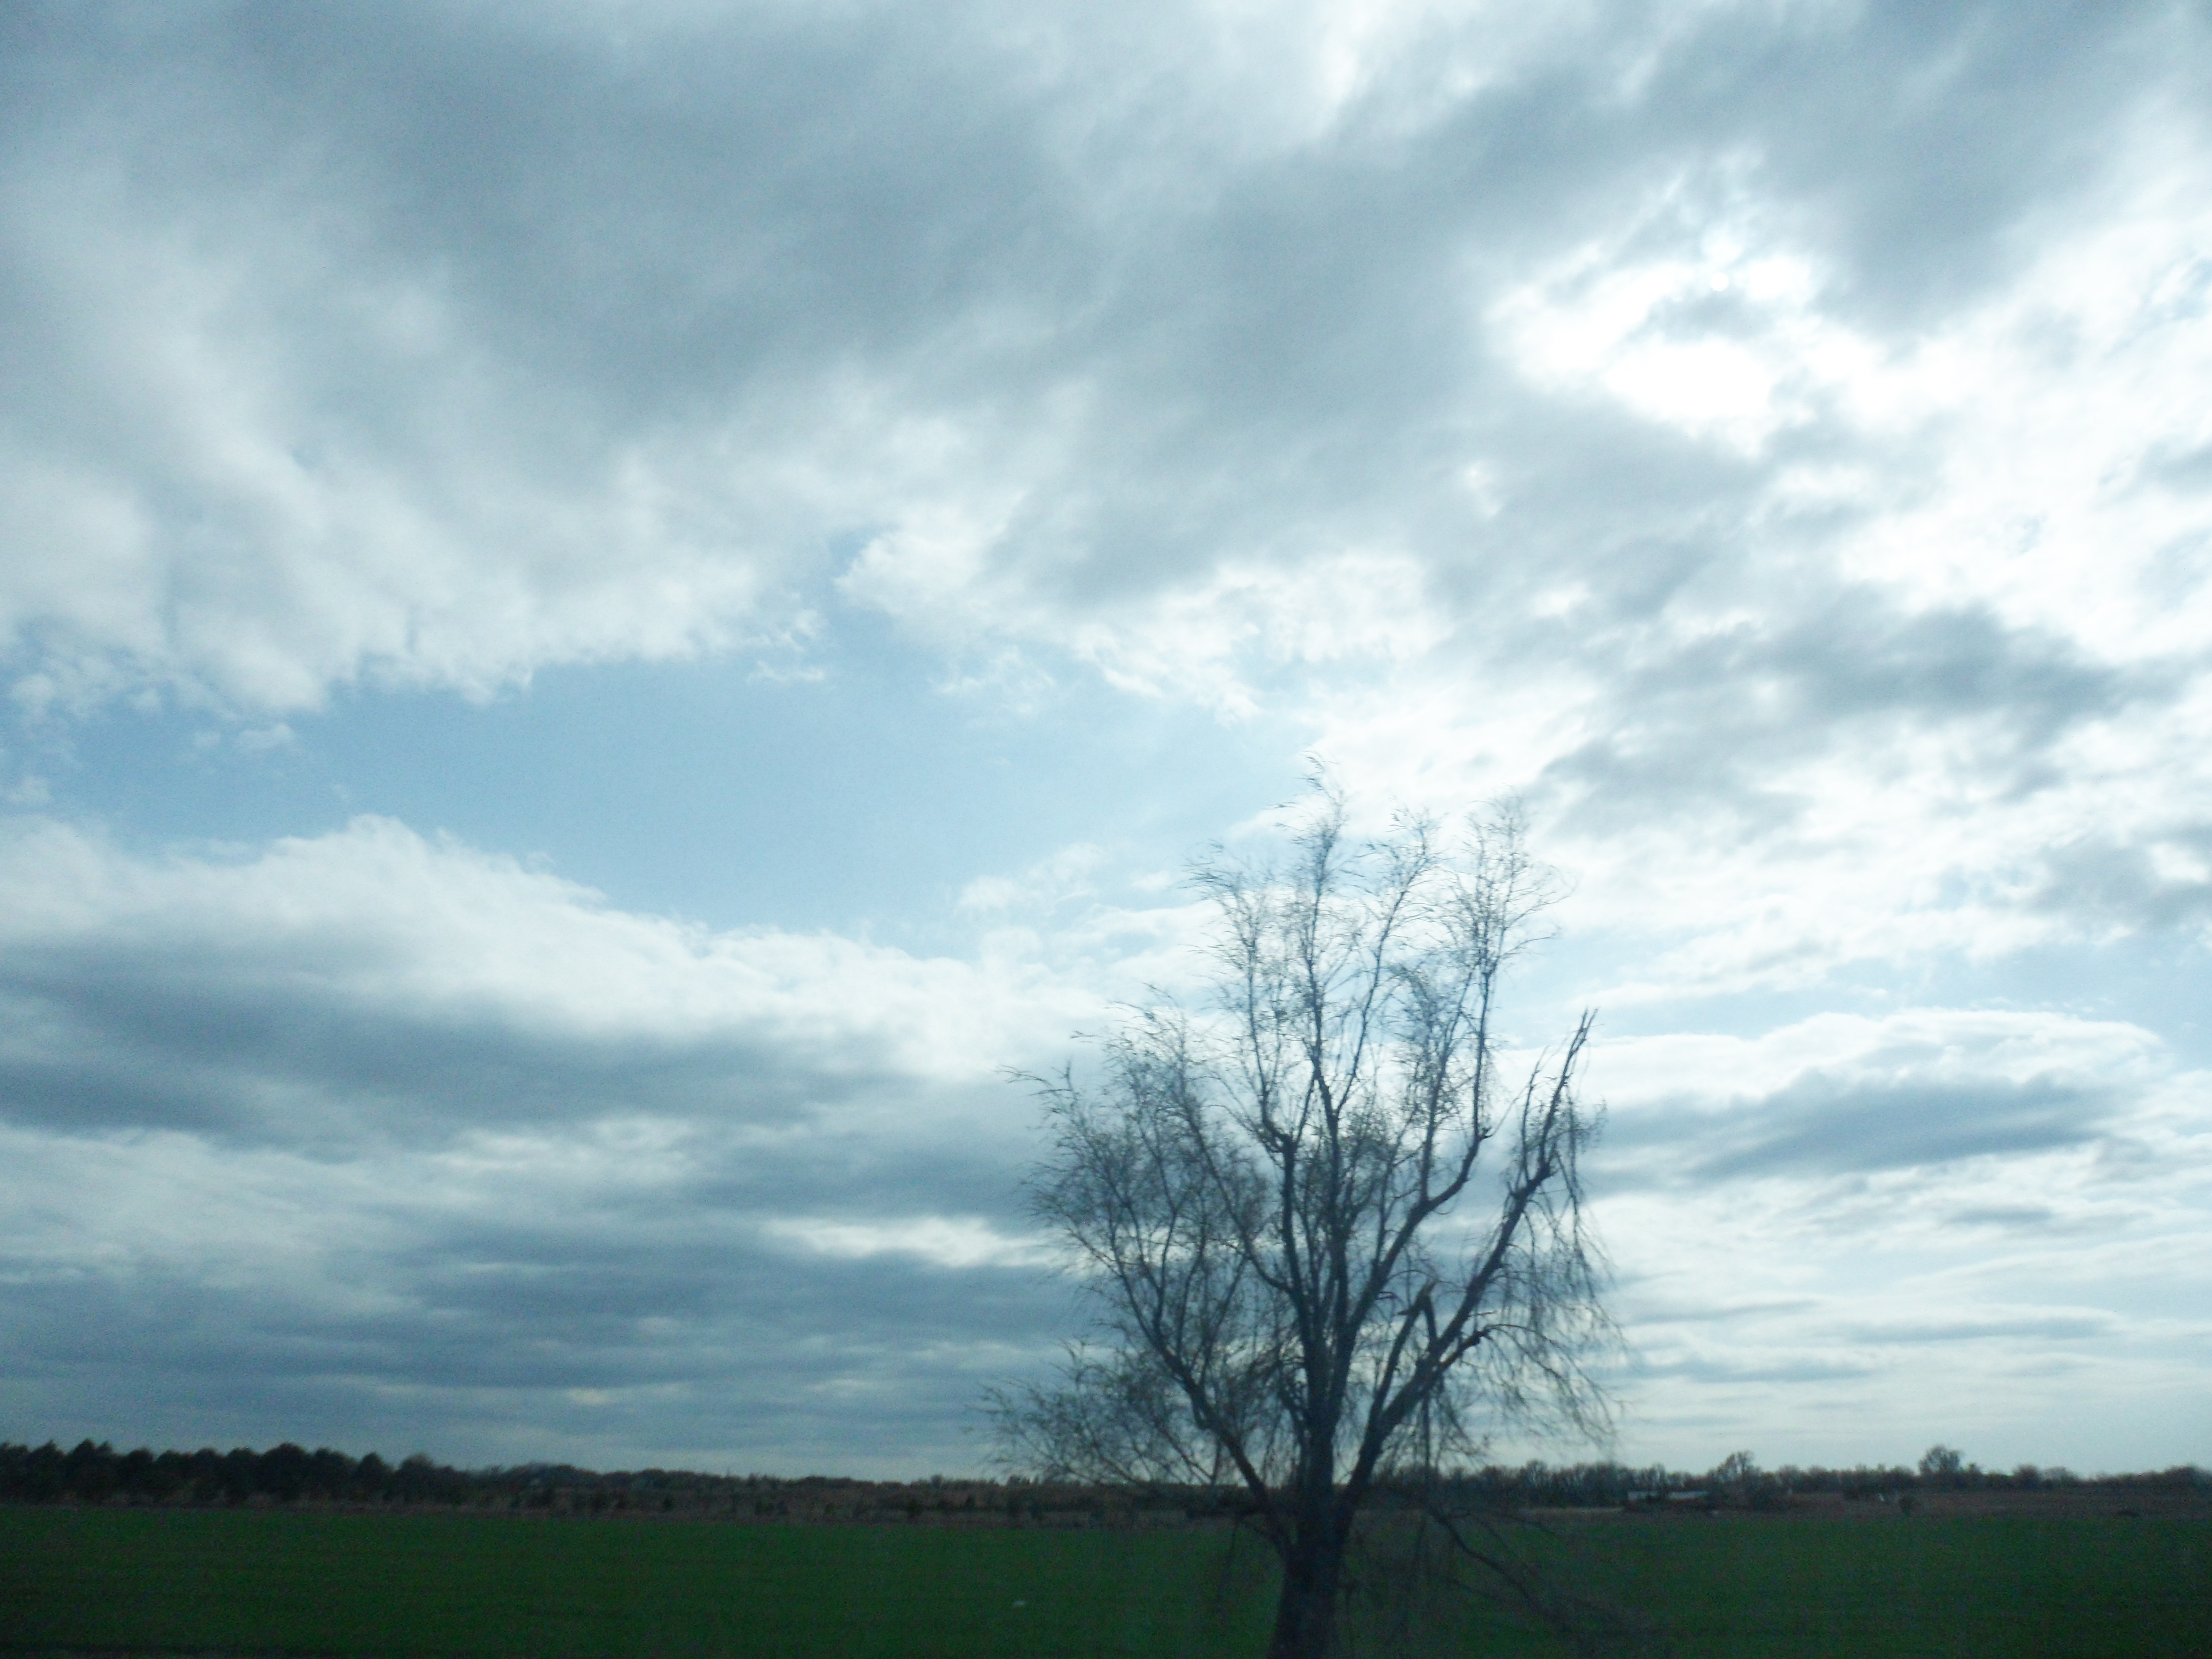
[(259, 1582), (2085, 1589)]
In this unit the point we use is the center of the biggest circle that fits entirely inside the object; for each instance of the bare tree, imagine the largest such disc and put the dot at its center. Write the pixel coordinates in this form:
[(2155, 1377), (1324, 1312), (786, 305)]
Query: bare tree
[(1325, 1238)]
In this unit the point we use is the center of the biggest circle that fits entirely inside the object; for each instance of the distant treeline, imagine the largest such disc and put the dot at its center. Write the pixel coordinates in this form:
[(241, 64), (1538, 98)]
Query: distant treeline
[(95, 1473), (92, 1473), (1739, 1482)]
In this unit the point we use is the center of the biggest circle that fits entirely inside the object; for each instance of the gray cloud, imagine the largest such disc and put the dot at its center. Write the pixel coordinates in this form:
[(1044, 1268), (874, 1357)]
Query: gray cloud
[(627, 232), (115, 1036), (1832, 1125), (2105, 877), (591, 1347), (1823, 1124), (1778, 1369), (1918, 135), (562, 1303), (310, 1128), (1715, 721), (2032, 1217), (2174, 468), (1665, 1313), (2042, 1327)]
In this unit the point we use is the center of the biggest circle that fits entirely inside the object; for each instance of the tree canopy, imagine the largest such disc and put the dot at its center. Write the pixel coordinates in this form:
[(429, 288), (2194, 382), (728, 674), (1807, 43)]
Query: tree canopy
[(1326, 1236)]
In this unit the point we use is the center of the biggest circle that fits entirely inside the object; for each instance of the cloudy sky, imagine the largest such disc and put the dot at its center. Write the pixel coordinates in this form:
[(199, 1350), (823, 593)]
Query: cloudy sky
[(608, 611)]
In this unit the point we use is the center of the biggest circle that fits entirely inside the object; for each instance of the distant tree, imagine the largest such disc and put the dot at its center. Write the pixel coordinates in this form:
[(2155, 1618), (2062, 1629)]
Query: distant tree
[(1940, 1465), (1735, 1469), (1739, 1480), (283, 1472), (205, 1469), (241, 1474), (371, 1476), (329, 1473), (172, 1470), (1322, 1232), (88, 1472), (46, 1473)]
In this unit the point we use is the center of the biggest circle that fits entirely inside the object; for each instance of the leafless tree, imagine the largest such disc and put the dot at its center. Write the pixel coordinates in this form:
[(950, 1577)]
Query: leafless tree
[(1326, 1240)]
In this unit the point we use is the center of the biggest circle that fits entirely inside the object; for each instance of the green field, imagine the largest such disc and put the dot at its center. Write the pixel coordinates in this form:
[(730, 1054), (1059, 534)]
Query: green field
[(261, 1582)]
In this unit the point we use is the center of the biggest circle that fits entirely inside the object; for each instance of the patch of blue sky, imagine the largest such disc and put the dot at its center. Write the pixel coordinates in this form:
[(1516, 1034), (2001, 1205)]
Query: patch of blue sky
[(862, 798)]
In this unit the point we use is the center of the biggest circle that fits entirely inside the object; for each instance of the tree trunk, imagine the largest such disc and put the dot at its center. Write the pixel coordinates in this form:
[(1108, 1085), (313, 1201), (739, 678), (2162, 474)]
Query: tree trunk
[(1305, 1617)]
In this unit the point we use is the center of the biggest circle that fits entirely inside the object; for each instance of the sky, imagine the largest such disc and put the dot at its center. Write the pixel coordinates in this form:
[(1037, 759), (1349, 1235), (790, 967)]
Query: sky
[(609, 613)]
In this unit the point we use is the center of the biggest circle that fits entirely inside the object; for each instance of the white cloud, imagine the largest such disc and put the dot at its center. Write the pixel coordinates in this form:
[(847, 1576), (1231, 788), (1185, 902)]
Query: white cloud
[(378, 926), (1961, 636), (1862, 1223), (1921, 1044), (947, 1241), (1049, 882), (1658, 336)]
